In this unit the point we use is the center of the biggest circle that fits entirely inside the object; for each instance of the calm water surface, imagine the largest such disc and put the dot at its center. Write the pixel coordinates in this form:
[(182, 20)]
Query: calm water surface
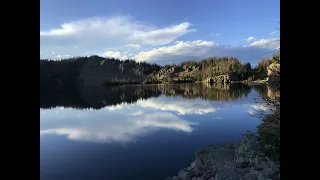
[(138, 132)]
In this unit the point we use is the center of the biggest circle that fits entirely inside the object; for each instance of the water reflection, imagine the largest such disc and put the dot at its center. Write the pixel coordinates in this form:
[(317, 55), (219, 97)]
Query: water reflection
[(97, 97), (107, 125), (121, 114), (138, 132), (180, 105)]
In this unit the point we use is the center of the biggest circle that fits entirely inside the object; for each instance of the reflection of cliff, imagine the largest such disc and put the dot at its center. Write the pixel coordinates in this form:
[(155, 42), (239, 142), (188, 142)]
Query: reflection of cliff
[(272, 92), (217, 92), (97, 97), (266, 91)]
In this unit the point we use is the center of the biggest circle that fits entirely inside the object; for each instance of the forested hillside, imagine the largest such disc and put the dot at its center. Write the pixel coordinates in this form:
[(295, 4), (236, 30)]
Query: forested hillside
[(92, 70), (109, 71)]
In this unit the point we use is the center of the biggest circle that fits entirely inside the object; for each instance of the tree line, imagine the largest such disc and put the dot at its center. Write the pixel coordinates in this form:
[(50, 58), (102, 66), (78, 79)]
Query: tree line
[(113, 71)]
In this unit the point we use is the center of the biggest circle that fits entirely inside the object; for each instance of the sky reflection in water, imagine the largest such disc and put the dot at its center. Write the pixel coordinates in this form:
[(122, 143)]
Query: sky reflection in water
[(165, 127)]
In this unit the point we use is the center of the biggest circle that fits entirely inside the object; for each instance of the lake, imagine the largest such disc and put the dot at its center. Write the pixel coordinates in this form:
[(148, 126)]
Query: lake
[(139, 132)]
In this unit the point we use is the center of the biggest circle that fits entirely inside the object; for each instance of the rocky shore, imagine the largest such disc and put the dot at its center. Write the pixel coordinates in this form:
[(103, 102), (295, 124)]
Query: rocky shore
[(238, 161)]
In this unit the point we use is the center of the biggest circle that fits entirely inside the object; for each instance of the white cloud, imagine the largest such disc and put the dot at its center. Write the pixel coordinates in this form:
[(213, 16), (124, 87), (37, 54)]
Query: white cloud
[(195, 50), (117, 54), (133, 45), (251, 38), (185, 48), (105, 126), (96, 34), (267, 43), (215, 34), (121, 37), (116, 107)]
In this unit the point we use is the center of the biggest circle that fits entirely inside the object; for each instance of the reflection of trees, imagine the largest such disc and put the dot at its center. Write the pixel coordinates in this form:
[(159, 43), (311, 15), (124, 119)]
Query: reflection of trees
[(65, 96), (217, 92), (97, 97)]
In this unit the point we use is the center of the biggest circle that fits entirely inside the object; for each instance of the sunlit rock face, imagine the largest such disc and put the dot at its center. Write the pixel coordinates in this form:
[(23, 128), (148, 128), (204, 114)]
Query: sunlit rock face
[(272, 69)]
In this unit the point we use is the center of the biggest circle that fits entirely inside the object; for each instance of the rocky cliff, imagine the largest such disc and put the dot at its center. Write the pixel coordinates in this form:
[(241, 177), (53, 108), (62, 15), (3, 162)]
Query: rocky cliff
[(273, 69), (222, 79)]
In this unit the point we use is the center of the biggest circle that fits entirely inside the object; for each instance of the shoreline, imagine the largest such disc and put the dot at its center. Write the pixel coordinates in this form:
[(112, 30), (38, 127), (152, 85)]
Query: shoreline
[(257, 82), (231, 161)]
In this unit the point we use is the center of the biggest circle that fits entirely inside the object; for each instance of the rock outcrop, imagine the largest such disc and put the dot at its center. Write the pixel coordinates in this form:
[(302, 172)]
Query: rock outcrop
[(272, 69), (222, 79), (241, 161)]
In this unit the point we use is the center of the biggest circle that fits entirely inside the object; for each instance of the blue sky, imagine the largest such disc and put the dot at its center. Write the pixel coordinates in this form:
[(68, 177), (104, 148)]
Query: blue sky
[(159, 31)]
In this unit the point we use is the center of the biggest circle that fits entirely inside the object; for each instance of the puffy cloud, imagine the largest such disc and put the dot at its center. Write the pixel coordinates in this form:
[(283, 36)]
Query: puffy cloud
[(251, 38), (195, 50), (97, 34), (267, 43), (105, 126), (180, 48), (117, 54), (122, 36), (115, 107)]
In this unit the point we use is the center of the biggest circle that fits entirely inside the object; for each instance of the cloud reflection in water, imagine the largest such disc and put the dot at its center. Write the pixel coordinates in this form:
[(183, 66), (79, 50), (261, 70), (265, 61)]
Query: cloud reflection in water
[(106, 126)]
